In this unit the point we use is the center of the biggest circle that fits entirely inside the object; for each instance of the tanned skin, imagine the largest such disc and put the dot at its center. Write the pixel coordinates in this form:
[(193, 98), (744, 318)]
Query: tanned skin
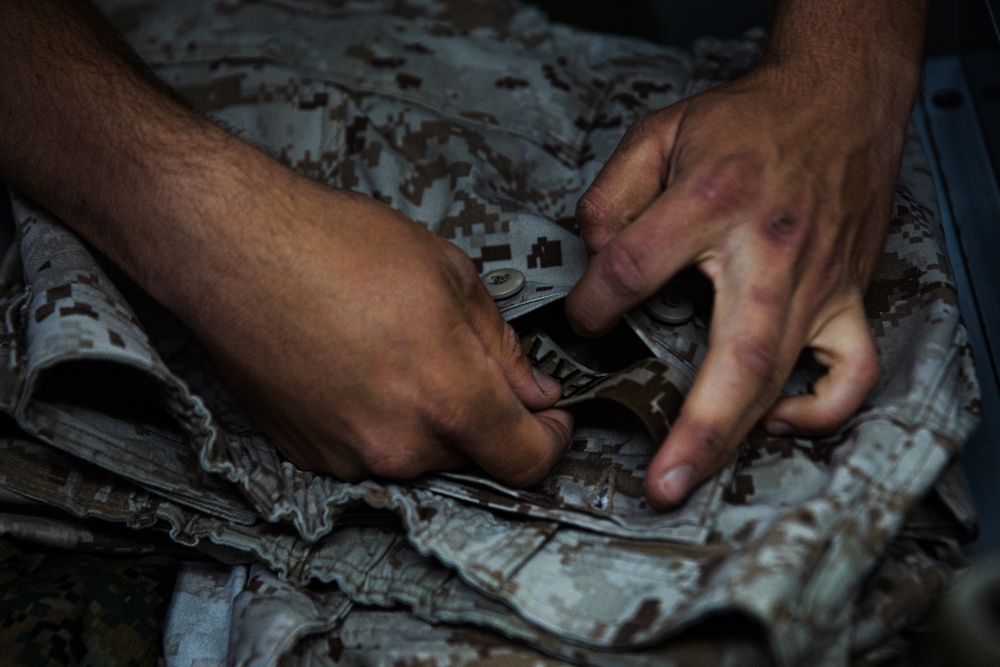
[(777, 186)]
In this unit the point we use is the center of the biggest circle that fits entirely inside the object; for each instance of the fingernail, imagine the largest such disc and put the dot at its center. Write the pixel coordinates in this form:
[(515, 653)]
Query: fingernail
[(548, 384), (779, 428), (676, 483)]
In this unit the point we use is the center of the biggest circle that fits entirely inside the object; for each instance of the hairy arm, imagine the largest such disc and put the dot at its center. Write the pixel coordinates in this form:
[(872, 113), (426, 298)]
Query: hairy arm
[(283, 280), (778, 187)]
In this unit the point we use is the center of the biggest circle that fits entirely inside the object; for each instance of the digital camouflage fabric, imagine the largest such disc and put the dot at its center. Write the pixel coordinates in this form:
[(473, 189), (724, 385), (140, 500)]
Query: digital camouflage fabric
[(485, 123), (63, 608)]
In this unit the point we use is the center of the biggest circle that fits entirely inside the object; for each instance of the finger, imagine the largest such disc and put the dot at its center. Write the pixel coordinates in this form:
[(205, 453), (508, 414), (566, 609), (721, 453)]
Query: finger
[(846, 347), (534, 388), (744, 369), (477, 418), (496, 429), (669, 235), (634, 175), (493, 429), (395, 451), (390, 441), (521, 451)]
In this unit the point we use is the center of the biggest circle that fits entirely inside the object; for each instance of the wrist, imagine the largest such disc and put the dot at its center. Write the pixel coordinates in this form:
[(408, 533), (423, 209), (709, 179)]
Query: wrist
[(208, 214), (852, 56)]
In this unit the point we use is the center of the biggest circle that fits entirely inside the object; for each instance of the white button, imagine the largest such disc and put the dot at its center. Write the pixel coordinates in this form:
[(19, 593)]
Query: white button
[(669, 306), (503, 283)]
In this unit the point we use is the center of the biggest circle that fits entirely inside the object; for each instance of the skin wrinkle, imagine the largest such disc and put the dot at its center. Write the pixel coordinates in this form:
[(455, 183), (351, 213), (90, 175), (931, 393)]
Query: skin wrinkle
[(831, 96), (787, 171), (782, 229), (710, 439), (730, 183), (766, 296), (625, 267)]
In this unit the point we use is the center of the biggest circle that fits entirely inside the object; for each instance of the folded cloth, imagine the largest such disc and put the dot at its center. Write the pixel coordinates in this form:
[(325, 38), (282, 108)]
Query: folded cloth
[(66, 608), (485, 123)]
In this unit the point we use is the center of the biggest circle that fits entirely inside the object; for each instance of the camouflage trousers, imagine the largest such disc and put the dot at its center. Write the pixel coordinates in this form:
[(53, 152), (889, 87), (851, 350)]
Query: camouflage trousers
[(484, 123)]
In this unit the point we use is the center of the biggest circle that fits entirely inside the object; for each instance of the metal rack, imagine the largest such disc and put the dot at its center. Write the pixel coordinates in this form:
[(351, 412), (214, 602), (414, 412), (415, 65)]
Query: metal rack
[(959, 117)]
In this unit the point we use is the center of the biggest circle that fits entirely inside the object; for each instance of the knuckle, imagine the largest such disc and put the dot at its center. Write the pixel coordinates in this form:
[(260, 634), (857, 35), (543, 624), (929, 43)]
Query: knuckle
[(829, 419), (864, 374), (868, 368), (767, 296), (642, 130), (396, 457), (595, 217), (592, 209), (733, 180), (624, 269), (828, 275), (510, 344), (305, 454), (460, 264), (785, 230), (758, 358), (392, 462), (460, 276), (452, 416)]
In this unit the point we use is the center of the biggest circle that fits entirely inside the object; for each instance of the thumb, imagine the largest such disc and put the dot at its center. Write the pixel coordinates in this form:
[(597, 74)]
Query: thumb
[(535, 389)]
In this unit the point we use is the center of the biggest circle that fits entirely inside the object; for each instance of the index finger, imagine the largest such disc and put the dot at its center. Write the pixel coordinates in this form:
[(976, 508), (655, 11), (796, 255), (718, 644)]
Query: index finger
[(668, 236), (492, 427), (635, 174), (749, 357)]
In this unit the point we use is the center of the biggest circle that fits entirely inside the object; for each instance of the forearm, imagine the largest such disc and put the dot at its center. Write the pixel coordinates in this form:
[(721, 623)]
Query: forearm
[(870, 48), (93, 137), (284, 281)]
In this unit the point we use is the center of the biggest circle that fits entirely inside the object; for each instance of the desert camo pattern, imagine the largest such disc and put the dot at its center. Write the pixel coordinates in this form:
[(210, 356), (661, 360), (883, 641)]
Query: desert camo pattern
[(484, 123), (64, 608)]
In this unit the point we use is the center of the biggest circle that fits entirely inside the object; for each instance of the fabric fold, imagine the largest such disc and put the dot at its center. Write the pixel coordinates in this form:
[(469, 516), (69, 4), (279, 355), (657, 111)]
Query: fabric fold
[(801, 551)]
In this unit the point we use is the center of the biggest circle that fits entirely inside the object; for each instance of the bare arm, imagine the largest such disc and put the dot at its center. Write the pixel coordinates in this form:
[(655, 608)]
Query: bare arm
[(283, 279), (778, 187)]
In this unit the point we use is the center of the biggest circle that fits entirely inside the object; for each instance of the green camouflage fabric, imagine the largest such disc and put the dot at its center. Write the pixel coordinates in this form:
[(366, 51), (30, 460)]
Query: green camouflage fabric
[(64, 608), (484, 123)]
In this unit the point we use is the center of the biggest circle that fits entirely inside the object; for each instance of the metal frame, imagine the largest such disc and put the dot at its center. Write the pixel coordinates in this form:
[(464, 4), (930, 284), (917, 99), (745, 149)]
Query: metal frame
[(969, 198)]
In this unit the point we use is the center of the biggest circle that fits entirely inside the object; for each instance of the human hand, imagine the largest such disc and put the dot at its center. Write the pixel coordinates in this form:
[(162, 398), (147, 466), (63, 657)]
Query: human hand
[(362, 344), (782, 199)]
